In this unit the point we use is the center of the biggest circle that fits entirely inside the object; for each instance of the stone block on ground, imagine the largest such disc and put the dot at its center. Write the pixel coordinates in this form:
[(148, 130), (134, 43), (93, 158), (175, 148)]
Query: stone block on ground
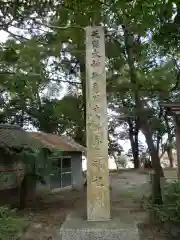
[(122, 227)]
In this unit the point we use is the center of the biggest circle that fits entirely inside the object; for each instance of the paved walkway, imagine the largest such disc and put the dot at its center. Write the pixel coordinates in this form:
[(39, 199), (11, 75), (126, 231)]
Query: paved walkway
[(127, 191)]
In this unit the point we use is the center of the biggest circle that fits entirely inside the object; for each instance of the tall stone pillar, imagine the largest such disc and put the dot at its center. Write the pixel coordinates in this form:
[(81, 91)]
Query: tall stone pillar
[(98, 199)]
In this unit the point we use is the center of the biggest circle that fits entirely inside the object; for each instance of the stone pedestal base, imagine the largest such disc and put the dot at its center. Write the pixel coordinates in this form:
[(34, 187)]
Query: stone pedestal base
[(76, 227)]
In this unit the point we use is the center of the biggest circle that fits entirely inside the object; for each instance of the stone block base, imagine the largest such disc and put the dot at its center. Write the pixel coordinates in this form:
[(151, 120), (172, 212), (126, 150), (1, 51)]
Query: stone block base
[(99, 234), (76, 227)]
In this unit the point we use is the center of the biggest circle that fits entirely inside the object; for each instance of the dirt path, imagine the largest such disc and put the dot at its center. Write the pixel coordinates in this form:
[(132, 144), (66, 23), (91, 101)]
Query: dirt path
[(47, 215), (127, 189), (127, 180)]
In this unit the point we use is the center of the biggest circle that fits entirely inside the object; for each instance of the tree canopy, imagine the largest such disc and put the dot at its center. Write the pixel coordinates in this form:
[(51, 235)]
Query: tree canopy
[(42, 69)]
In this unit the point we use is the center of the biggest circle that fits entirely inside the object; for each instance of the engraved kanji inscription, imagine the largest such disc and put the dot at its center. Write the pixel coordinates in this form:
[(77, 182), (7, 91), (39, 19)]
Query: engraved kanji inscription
[(96, 54), (95, 63), (96, 107), (95, 74), (95, 43), (95, 34)]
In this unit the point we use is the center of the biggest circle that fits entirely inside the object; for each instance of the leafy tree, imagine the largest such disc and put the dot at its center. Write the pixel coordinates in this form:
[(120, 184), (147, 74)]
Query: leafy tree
[(142, 66)]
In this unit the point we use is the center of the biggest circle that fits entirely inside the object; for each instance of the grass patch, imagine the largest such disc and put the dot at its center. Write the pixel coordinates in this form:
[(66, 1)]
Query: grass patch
[(127, 195), (12, 226)]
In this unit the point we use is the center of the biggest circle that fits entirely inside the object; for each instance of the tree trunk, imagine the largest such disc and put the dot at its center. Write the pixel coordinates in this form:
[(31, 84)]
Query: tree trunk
[(80, 136), (136, 155), (169, 144), (136, 146), (23, 193), (80, 132), (170, 156), (28, 187), (159, 134), (115, 160), (140, 111), (155, 163), (21, 122), (133, 136)]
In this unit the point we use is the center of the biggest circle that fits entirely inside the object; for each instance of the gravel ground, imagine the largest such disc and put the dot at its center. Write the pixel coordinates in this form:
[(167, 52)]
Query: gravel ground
[(127, 189)]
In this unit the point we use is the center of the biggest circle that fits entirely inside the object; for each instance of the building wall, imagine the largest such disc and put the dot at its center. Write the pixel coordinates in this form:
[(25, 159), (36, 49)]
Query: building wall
[(77, 179), (77, 174), (10, 171), (11, 175)]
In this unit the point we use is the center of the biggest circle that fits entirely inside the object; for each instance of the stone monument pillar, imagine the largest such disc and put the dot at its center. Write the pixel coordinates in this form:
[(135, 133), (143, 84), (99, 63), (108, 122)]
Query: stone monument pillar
[(98, 199)]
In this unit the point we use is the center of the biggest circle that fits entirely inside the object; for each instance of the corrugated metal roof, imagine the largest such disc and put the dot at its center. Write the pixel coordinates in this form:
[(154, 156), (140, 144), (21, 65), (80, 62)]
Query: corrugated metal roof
[(63, 143), (13, 136)]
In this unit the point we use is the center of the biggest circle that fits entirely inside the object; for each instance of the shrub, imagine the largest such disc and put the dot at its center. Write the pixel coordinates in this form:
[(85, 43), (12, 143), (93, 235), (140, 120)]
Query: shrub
[(170, 210), (11, 225), (122, 161)]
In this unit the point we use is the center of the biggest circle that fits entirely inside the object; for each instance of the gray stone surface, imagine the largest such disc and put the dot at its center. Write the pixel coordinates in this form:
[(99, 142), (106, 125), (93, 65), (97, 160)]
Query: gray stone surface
[(98, 202), (127, 190), (100, 234), (121, 227)]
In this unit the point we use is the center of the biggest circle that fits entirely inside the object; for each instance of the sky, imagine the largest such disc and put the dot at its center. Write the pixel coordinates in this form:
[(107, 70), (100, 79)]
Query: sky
[(3, 36)]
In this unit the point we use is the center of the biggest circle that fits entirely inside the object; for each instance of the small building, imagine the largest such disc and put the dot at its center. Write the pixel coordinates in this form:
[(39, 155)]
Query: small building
[(13, 140), (68, 162)]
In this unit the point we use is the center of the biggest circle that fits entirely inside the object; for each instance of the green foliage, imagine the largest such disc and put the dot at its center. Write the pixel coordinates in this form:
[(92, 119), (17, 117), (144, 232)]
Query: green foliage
[(33, 67), (40, 160), (122, 161), (7, 178), (170, 210), (11, 224), (29, 157)]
